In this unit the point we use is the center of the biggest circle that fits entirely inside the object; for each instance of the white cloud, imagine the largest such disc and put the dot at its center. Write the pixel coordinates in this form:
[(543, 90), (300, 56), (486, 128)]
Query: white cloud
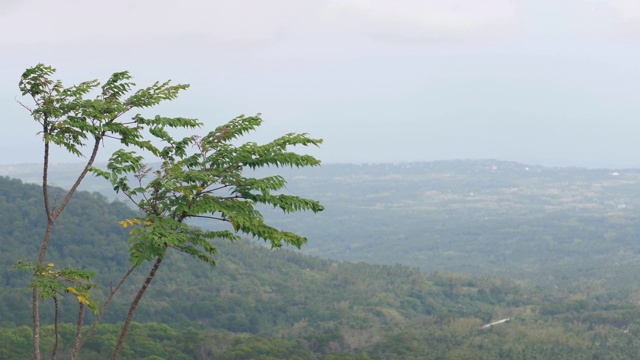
[(245, 21), (601, 20), (433, 19), (138, 20), (258, 22), (626, 10)]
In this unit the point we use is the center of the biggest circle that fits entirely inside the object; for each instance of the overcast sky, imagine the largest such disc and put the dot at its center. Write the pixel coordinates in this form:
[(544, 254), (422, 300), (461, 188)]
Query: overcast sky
[(535, 81)]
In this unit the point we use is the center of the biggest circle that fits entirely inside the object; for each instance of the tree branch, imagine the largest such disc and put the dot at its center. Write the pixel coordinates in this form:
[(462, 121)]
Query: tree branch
[(76, 339), (210, 217), (23, 105), (94, 153), (112, 292)]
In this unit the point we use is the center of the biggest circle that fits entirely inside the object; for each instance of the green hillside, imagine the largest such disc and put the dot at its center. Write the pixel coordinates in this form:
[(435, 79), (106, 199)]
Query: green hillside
[(553, 227), (272, 304)]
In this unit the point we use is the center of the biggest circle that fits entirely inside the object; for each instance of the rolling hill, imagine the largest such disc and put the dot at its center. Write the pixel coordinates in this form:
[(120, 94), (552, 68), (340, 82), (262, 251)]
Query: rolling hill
[(569, 231)]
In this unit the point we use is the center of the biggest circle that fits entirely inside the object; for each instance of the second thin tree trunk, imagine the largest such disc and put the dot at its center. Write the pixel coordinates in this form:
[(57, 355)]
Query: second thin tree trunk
[(132, 309)]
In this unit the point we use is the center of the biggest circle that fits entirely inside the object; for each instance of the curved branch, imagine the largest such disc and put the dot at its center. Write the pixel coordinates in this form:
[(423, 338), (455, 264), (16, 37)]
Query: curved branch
[(210, 217), (92, 158), (112, 292), (112, 137), (23, 105)]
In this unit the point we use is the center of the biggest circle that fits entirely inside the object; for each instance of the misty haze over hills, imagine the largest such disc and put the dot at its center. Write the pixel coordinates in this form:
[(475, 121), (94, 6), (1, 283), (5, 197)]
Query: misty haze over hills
[(483, 217), (481, 162), (548, 254), (539, 82)]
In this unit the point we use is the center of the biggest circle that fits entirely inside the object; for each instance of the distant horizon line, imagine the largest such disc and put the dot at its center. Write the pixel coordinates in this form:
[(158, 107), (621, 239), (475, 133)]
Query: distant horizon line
[(374, 163)]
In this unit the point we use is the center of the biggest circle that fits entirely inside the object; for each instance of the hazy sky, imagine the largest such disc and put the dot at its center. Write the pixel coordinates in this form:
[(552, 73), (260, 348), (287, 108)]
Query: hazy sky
[(536, 81)]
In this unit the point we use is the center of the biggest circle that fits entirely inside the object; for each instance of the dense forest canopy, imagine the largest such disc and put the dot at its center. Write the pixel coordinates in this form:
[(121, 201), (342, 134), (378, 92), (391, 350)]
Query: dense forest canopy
[(289, 305)]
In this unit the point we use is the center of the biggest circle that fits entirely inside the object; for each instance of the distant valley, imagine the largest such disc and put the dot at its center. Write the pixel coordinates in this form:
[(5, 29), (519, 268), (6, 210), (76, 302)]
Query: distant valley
[(548, 226), (500, 260)]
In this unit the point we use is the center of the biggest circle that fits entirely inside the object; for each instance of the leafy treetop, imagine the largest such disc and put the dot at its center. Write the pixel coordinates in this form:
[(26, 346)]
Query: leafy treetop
[(208, 177)]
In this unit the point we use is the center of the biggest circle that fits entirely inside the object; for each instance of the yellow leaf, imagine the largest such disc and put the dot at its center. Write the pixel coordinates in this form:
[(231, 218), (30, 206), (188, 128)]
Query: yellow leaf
[(50, 264), (73, 291), (235, 227)]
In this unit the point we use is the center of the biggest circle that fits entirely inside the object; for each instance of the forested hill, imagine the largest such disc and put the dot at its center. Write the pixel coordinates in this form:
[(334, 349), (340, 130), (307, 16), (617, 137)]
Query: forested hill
[(261, 303), (554, 227)]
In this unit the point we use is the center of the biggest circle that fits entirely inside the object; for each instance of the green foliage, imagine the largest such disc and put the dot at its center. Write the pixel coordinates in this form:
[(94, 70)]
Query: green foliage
[(68, 118), (187, 185), (66, 280), (262, 302), (206, 177), (206, 183), (202, 177)]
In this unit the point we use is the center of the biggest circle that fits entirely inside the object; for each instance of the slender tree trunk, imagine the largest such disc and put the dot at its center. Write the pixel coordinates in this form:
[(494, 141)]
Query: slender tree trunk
[(52, 215), (36, 324), (35, 301), (76, 339), (55, 327), (132, 309), (77, 344), (35, 298)]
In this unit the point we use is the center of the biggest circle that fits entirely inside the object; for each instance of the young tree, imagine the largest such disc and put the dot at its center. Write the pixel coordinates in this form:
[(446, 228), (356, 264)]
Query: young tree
[(199, 177), (205, 177), (73, 120)]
